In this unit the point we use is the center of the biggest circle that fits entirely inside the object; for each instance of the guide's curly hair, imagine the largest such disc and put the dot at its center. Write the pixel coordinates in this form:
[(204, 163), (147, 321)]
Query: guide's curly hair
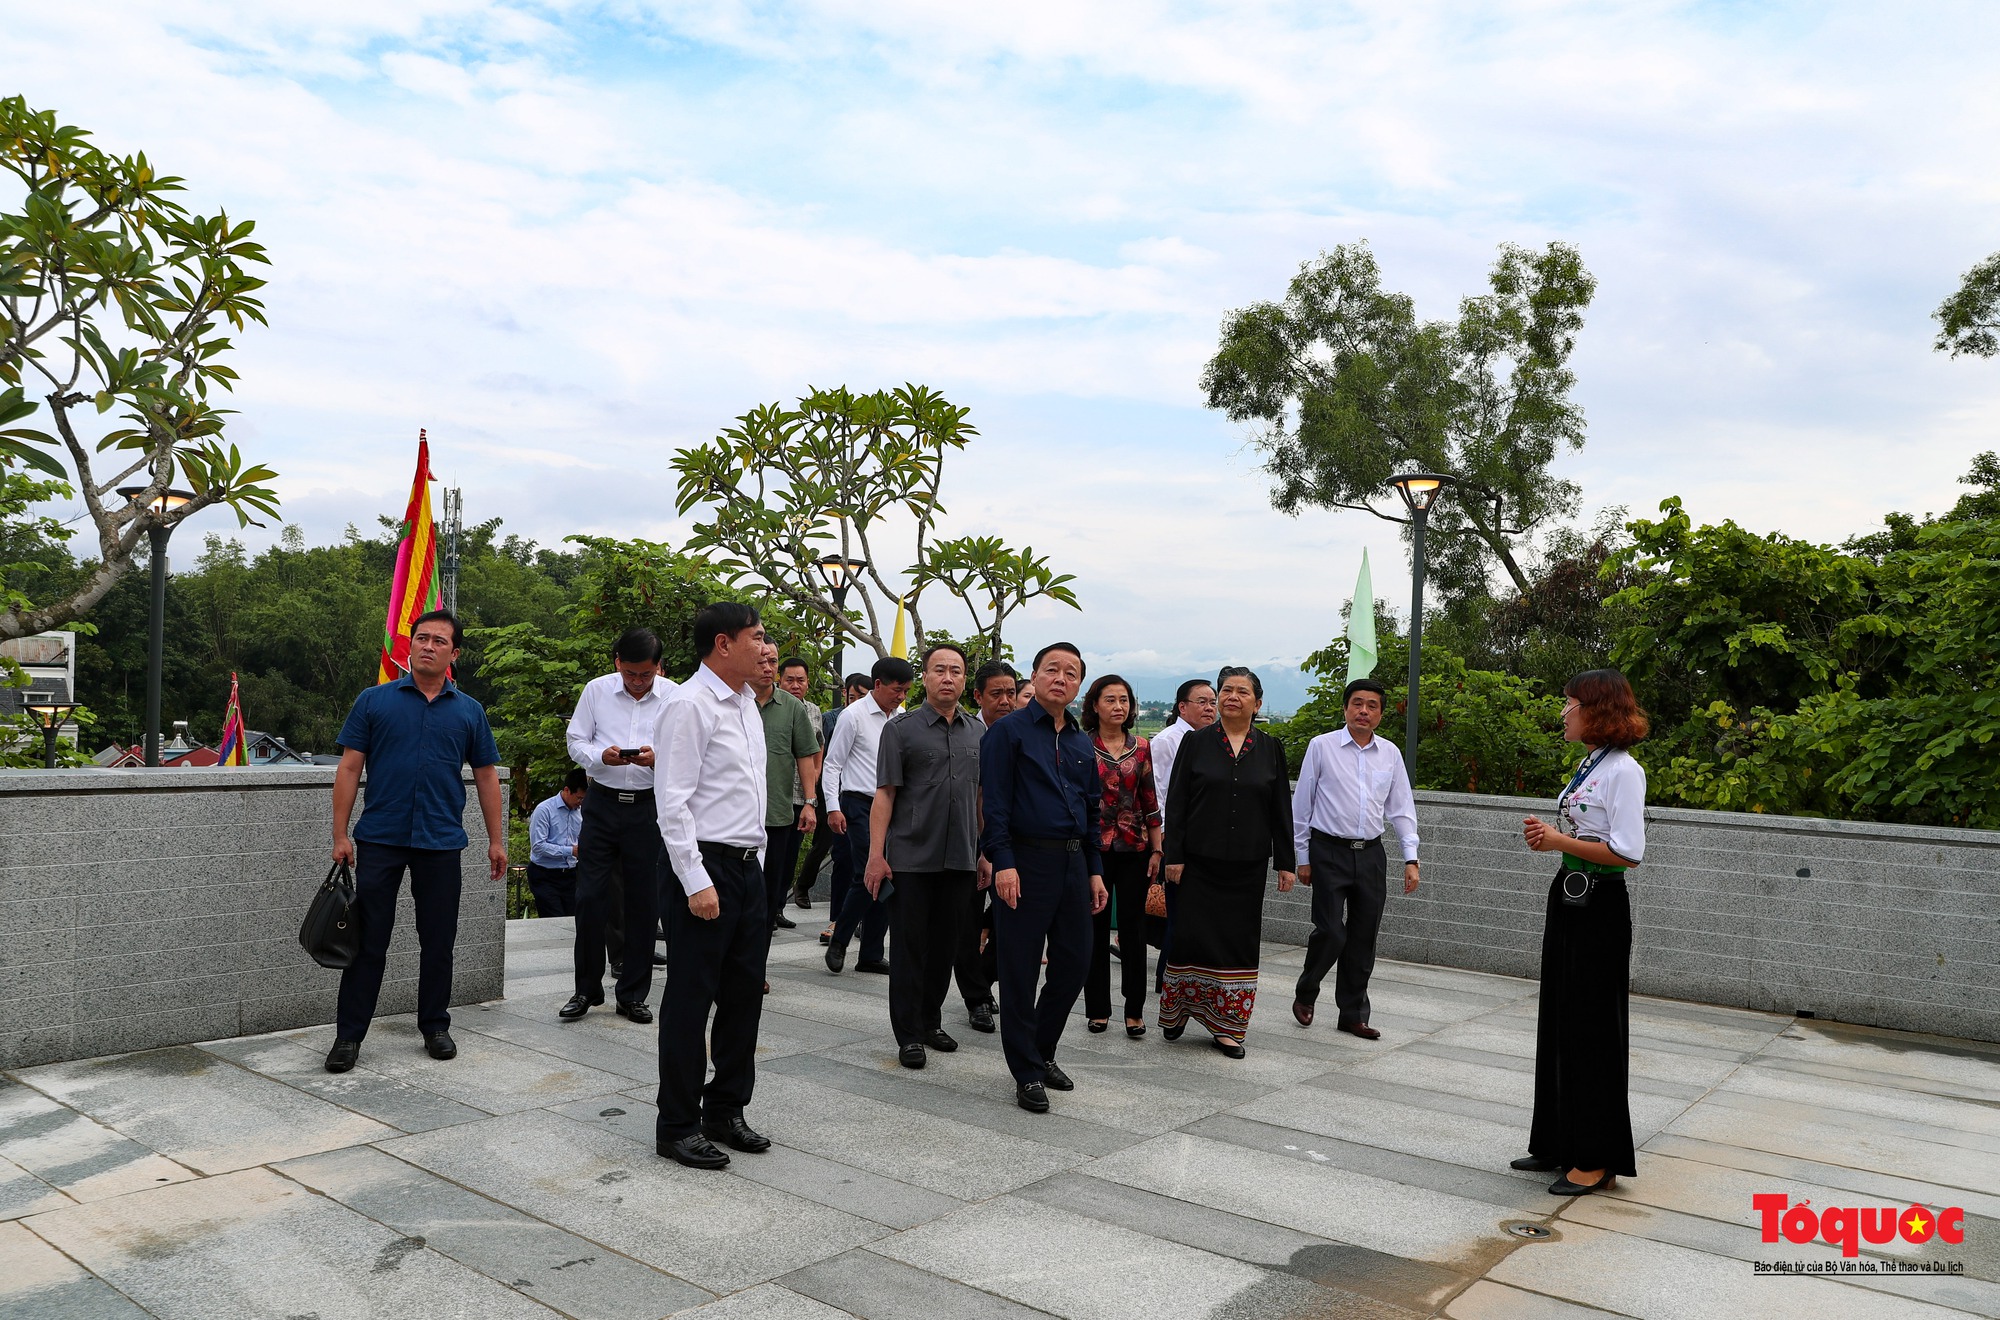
[(1610, 711)]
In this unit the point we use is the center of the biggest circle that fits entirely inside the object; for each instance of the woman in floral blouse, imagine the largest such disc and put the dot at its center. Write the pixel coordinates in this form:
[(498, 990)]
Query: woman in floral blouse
[(1129, 842)]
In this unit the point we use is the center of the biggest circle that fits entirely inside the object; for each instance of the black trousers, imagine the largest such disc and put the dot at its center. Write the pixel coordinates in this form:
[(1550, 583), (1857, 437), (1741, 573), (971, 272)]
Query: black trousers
[(1583, 1118), (822, 848), (857, 908), (975, 968), (1349, 891), (781, 853), (928, 916), (434, 887), (1125, 877), (719, 965), (1053, 913), (554, 888), (618, 870)]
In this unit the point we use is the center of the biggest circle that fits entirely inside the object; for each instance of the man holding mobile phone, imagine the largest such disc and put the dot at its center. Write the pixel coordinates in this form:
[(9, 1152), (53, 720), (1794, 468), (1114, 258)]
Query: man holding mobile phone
[(618, 848)]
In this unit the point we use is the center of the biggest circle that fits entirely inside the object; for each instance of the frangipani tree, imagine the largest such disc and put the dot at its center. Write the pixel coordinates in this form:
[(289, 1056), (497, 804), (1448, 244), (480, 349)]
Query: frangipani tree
[(837, 497)]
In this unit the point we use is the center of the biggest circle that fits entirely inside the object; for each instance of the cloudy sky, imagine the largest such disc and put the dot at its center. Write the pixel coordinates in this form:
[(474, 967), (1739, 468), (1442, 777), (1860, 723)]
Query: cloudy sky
[(569, 238)]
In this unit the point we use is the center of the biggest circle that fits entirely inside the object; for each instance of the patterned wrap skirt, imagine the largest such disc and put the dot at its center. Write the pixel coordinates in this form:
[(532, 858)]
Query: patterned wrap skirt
[(1218, 927)]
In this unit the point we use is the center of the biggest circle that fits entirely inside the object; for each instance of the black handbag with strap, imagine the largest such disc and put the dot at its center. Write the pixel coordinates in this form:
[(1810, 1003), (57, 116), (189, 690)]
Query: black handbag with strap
[(330, 933)]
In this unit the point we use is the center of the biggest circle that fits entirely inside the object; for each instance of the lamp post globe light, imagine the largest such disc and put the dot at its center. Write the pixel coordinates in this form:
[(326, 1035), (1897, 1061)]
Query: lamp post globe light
[(840, 572), (156, 647), (1419, 491), (50, 713)]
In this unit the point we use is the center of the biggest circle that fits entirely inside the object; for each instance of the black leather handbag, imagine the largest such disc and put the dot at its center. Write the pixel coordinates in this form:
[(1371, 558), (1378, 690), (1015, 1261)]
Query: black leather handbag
[(330, 933)]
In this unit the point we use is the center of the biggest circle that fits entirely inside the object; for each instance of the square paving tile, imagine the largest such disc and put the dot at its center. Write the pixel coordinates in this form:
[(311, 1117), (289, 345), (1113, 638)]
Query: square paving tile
[(490, 1074), (74, 1154)]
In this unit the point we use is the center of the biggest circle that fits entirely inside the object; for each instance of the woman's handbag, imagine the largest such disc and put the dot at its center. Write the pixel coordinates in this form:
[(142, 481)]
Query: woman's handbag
[(1156, 899), (331, 934)]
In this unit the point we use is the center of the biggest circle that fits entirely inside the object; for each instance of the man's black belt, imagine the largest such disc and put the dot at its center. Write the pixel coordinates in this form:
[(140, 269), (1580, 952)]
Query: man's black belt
[(734, 851), (1356, 844), (1049, 845), (622, 794)]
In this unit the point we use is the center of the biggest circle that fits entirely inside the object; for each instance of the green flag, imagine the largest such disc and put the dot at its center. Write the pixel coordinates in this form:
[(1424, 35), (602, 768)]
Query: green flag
[(1361, 626)]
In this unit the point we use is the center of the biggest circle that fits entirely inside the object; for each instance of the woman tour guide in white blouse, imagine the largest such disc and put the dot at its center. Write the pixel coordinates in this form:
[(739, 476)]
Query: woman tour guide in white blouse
[(1582, 1127)]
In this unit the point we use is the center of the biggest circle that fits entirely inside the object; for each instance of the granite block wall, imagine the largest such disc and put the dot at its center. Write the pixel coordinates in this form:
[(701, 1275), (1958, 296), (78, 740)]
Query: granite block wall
[(141, 908), (1885, 925)]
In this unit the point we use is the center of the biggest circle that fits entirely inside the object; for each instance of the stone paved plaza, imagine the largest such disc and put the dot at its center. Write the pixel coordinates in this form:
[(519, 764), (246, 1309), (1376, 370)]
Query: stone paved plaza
[(1321, 1176)]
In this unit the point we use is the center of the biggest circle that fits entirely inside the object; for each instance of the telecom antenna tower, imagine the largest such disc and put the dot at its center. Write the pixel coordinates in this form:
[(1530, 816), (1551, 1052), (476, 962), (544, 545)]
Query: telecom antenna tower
[(454, 511)]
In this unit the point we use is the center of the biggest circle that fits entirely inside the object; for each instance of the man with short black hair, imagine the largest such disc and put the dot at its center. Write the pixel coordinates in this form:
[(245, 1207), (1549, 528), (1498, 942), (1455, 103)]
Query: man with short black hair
[(974, 966), (552, 847), (618, 852), (791, 749), (852, 689), (1350, 781), (924, 833), (711, 800), (413, 735), (1042, 795), (849, 776)]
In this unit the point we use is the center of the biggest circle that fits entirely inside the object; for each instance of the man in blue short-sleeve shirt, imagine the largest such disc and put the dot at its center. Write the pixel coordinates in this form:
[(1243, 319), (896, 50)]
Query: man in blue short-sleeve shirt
[(413, 735)]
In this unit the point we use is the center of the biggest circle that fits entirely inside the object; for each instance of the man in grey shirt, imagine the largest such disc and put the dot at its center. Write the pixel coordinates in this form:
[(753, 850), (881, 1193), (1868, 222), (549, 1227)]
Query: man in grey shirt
[(924, 831)]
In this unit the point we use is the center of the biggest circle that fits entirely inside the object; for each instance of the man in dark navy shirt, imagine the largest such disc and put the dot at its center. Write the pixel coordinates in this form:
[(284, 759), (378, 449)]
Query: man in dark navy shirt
[(412, 735), (1041, 793)]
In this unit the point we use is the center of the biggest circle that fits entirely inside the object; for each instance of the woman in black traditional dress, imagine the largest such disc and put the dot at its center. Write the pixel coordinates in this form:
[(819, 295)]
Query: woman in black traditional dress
[(1583, 1121), (1229, 819)]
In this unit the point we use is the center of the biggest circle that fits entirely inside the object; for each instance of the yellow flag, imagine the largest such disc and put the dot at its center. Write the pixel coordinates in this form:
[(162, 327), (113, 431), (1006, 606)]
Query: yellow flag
[(899, 642)]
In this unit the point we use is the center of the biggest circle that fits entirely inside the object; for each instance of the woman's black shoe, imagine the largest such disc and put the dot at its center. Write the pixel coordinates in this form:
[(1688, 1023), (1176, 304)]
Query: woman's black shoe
[(1535, 1164), (1564, 1187), (1228, 1047), (1135, 1032), (1098, 1028), (1173, 1033)]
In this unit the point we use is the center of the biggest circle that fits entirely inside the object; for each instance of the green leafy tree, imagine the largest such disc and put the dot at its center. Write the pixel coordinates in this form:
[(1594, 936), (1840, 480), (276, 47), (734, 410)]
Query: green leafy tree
[(855, 477), (113, 297), (1347, 387), (1969, 320)]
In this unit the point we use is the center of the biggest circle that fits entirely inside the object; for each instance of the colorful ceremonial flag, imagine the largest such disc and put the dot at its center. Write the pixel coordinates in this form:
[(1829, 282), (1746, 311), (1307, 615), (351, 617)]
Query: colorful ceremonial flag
[(899, 641), (232, 751), (1361, 626), (415, 588)]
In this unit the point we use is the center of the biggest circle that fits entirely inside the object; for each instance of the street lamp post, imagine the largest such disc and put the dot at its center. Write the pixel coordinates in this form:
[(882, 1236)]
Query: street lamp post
[(51, 712), (156, 646), (1419, 491), (840, 572)]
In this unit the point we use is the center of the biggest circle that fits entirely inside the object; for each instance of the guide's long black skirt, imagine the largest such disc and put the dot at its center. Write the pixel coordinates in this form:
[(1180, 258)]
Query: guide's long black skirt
[(1582, 1118)]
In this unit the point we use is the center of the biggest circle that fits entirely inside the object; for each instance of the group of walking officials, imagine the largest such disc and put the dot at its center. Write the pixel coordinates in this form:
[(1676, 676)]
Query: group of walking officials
[(997, 848)]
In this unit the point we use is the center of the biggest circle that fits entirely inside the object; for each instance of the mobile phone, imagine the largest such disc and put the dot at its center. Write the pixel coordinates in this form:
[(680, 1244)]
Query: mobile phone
[(629, 753)]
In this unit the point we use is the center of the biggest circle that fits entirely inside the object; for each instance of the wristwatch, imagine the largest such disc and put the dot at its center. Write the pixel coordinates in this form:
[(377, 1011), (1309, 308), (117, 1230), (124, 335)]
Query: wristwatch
[(813, 803)]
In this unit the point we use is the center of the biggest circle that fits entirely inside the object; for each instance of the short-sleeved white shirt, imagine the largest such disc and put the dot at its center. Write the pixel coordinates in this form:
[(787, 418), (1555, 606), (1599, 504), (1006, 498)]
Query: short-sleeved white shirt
[(1609, 807)]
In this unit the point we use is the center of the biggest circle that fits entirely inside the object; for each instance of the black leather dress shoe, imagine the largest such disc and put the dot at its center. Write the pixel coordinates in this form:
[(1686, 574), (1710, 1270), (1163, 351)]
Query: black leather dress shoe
[(440, 1045), (638, 1012), (1031, 1097), (982, 1017), (1056, 1079), (940, 1042), (342, 1056), (697, 1152), (737, 1134), (659, 959), (879, 966), (912, 1056), (783, 922), (1534, 1164), (836, 957), (1564, 1187), (577, 1006)]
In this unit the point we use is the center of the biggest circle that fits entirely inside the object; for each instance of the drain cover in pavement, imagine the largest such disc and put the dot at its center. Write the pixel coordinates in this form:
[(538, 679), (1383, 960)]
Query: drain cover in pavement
[(1532, 1232)]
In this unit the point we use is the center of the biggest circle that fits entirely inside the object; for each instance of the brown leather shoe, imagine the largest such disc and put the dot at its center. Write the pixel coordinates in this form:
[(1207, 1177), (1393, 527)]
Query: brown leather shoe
[(1302, 1012), (1361, 1029)]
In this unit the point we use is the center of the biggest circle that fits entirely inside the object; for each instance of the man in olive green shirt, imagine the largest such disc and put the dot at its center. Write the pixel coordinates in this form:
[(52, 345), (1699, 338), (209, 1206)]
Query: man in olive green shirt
[(791, 755)]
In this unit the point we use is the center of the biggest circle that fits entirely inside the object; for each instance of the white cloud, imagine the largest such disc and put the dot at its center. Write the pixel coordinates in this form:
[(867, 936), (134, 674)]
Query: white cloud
[(568, 237)]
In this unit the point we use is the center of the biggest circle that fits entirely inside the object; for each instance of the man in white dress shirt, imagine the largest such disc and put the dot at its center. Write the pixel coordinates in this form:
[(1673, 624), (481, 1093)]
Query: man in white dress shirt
[(711, 798), (1350, 783), (618, 848), (849, 780), (1194, 708)]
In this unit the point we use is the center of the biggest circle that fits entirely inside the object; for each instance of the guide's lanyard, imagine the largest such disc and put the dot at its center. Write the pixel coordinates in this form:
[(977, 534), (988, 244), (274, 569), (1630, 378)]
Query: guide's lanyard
[(1590, 763)]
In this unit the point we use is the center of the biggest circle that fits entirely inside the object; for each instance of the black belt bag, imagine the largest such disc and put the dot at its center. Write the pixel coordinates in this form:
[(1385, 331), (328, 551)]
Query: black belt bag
[(1575, 884)]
